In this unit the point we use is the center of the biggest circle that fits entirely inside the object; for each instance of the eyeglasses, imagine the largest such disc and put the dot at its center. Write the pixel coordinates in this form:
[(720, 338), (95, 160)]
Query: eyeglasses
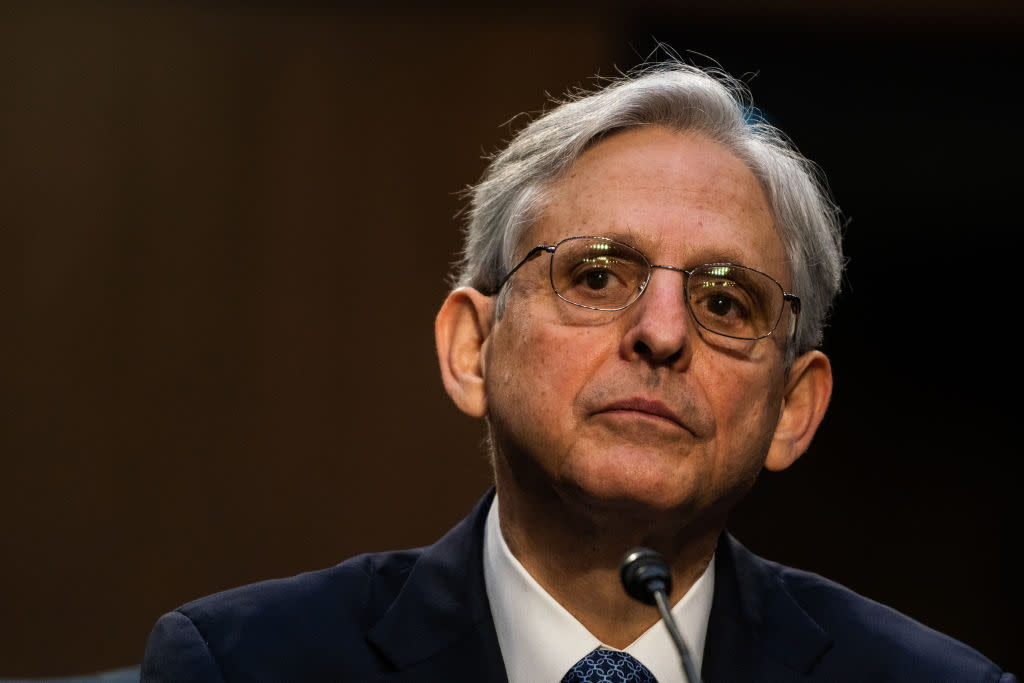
[(602, 274)]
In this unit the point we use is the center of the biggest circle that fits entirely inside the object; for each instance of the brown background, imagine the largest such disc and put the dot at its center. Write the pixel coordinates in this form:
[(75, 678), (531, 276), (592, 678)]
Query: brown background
[(226, 230)]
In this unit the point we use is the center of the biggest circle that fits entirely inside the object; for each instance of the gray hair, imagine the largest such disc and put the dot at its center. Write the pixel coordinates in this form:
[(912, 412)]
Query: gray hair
[(511, 194)]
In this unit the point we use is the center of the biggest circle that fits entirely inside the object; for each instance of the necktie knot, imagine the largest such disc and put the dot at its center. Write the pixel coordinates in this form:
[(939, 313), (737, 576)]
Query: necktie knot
[(609, 666)]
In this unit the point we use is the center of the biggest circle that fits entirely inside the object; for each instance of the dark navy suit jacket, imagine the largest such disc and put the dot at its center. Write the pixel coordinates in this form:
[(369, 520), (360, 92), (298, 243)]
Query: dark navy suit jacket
[(423, 615)]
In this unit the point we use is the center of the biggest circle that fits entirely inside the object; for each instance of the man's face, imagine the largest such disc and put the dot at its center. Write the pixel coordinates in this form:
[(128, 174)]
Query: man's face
[(639, 409)]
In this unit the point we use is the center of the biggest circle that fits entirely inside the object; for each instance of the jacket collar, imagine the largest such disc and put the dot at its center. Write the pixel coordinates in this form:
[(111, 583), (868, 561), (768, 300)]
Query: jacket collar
[(757, 630), (439, 627)]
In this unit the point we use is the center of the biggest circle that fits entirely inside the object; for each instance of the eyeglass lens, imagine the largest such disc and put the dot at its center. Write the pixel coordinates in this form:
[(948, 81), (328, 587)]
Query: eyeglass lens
[(602, 274)]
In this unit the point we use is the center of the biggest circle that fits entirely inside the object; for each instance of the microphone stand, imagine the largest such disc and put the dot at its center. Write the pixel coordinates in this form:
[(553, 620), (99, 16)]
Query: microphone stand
[(677, 637), (646, 577)]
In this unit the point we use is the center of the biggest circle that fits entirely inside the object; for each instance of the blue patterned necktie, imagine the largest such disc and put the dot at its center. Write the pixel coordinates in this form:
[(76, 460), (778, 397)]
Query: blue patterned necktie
[(609, 666)]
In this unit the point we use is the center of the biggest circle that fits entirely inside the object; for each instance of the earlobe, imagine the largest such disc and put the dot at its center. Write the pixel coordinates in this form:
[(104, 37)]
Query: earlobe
[(808, 390), (460, 331)]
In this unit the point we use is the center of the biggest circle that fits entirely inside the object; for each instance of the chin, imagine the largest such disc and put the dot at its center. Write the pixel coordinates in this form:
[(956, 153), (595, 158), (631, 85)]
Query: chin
[(642, 493)]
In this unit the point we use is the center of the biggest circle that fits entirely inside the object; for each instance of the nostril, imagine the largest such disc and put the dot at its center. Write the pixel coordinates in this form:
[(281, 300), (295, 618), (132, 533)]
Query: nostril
[(642, 350)]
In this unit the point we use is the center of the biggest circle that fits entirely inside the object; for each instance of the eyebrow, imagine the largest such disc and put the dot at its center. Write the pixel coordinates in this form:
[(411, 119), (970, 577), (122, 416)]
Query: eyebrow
[(708, 256), (725, 256)]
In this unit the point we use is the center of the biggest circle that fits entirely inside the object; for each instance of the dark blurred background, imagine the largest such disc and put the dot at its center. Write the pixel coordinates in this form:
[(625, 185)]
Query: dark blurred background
[(225, 232)]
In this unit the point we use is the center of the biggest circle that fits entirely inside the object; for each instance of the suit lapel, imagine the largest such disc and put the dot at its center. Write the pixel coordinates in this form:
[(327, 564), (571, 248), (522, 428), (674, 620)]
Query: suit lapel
[(440, 626), (756, 631)]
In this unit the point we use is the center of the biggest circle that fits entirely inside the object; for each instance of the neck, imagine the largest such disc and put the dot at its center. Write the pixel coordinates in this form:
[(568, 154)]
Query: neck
[(575, 552)]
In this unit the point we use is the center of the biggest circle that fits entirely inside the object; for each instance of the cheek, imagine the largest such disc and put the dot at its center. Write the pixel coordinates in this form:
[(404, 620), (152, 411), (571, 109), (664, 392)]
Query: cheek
[(538, 370), (746, 400)]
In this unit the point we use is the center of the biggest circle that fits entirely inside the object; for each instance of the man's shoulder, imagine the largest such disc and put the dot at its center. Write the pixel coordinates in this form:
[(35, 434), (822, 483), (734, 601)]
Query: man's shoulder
[(286, 626), (354, 586), (869, 636), (372, 613), (839, 609)]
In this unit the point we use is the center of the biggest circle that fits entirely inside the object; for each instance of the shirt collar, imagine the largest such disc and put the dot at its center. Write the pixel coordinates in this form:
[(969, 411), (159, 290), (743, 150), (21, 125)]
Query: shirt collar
[(540, 640)]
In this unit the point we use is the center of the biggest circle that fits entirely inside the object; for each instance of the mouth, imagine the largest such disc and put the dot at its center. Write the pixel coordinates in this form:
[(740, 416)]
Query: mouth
[(642, 407)]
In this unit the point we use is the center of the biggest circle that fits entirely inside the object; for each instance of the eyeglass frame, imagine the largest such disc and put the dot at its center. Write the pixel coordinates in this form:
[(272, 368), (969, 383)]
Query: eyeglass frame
[(792, 299)]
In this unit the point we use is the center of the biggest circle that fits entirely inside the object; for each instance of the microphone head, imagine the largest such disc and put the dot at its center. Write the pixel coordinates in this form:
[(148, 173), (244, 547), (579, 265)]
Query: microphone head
[(644, 572)]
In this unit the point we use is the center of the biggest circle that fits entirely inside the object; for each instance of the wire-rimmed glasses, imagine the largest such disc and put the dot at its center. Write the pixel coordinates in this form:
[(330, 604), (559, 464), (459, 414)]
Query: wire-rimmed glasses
[(602, 274)]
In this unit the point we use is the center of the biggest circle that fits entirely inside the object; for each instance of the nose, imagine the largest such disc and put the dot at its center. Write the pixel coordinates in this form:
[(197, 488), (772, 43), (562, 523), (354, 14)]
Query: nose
[(659, 324)]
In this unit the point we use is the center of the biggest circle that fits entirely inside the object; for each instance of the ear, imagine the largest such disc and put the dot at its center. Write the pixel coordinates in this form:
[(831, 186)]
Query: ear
[(807, 393), (461, 330)]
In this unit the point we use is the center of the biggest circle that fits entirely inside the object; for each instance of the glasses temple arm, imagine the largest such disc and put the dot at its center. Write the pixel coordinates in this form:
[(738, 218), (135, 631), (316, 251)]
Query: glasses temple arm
[(532, 254), (794, 305)]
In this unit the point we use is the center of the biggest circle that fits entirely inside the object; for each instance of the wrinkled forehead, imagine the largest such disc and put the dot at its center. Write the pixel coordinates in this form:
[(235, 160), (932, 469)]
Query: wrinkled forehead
[(679, 197)]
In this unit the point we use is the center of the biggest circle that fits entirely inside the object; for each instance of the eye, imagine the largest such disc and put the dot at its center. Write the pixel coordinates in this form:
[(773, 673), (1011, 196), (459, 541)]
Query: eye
[(596, 278), (598, 273), (598, 282), (734, 300), (722, 304), (599, 277)]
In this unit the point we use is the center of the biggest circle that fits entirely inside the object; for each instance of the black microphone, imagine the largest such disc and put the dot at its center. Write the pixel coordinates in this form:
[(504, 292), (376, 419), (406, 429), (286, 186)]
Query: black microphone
[(646, 577)]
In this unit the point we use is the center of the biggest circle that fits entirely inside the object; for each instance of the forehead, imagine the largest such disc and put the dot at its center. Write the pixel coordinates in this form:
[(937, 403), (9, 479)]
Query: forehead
[(678, 196)]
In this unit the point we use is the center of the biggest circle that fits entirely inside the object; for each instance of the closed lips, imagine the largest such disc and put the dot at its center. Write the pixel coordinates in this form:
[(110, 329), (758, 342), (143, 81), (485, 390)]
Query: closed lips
[(643, 405)]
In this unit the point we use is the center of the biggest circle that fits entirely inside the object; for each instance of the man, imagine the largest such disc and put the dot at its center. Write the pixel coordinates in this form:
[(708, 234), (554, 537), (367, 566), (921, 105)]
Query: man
[(646, 274)]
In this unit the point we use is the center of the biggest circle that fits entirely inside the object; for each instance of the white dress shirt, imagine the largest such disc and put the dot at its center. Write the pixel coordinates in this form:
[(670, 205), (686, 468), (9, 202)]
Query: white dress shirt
[(540, 641)]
